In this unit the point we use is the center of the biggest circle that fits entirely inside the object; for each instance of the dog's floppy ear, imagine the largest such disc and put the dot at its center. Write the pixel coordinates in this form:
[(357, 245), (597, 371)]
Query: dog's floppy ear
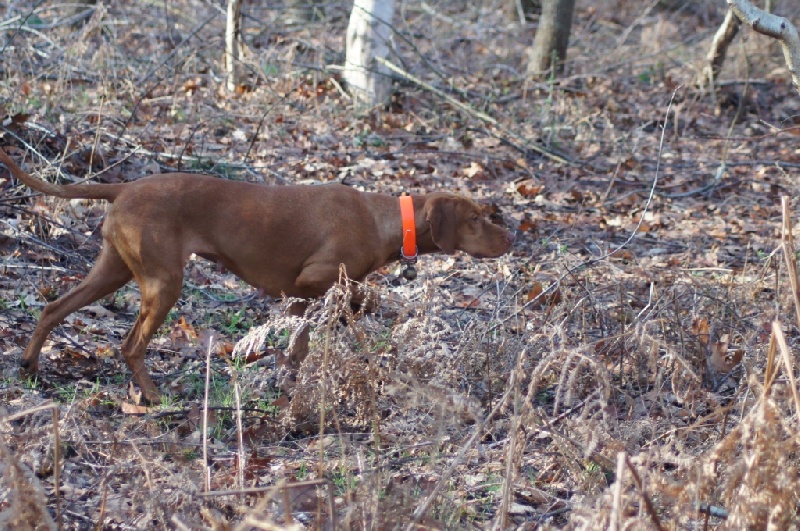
[(441, 216)]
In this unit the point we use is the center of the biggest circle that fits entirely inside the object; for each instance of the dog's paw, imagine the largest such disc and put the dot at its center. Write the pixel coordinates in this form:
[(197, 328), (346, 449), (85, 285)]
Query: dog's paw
[(28, 368)]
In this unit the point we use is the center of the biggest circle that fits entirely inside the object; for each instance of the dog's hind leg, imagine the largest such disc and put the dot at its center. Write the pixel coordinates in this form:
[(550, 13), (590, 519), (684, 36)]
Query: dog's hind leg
[(108, 275)]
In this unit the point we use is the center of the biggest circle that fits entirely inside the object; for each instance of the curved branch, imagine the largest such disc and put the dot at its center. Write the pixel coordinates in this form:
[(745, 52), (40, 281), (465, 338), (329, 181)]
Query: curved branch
[(772, 26)]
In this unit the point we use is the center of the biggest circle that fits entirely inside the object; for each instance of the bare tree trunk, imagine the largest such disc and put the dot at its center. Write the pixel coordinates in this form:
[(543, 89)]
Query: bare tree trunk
[(233, 44), (719, 49), (550, 44), (775, 27), (368, 35)]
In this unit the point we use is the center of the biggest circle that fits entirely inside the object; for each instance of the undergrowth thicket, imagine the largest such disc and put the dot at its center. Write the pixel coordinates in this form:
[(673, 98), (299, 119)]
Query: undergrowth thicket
[(652, 389)]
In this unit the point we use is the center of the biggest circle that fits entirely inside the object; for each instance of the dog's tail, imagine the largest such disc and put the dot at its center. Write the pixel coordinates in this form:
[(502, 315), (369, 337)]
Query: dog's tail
[(73, 191)]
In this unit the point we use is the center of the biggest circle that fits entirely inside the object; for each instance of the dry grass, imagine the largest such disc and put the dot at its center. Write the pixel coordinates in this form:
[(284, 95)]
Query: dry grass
[(654, 389)]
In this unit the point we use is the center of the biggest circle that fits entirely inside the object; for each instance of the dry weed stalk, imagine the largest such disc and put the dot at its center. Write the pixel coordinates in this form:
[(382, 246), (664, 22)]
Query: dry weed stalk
[(25, 501), (336, 300), (241, 463), (479, 430), (749, 470), (257, 516), (788, 362), (616, 498), (408, 370), (579, 376), (206, 466), (787, 244), (757, 476), (747, 478), (648, 504), (620, 504), (516, 443)]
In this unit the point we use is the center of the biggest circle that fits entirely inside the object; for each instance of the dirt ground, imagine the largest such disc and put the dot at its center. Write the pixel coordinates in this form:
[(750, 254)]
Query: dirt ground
[(630, 363)]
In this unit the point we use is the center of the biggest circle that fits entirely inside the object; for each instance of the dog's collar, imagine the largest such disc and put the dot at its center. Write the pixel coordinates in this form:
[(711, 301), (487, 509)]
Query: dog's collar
[(408, 251)]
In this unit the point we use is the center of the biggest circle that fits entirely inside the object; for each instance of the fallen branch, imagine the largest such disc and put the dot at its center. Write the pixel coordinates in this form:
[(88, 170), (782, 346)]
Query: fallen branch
[(476, 113)]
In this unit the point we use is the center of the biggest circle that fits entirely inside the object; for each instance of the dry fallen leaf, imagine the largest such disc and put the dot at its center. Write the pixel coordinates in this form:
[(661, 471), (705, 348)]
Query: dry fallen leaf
[(473, 170), (723, 359), (133, 409), (622, 254), (529, 189), (550, 298), (183, 332), (134, 394), (700, 329)]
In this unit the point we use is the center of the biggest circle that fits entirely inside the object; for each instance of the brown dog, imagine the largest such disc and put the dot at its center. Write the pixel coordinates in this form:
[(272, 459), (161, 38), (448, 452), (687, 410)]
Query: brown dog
[(284, 240)]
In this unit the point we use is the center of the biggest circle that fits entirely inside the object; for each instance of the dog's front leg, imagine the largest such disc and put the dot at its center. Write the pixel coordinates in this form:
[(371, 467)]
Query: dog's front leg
[(159, 295)]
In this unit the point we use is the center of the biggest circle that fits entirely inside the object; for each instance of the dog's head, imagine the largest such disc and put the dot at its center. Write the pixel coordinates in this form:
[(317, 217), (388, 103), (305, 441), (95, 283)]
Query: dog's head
[(458, 223)]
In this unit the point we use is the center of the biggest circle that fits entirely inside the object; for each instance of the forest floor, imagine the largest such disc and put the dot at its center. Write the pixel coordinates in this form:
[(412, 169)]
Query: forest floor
[(630, 362)]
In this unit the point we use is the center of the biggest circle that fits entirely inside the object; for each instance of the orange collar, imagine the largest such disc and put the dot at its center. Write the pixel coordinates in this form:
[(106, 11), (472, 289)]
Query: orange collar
[(408, 252)]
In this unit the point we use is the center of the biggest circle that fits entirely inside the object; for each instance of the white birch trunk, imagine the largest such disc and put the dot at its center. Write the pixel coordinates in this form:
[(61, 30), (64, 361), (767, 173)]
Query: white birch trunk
[(232, 48), (368, 34)]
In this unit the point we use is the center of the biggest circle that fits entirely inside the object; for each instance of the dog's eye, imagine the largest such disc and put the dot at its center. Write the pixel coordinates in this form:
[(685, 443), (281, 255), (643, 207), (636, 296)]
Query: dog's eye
[(475, 218)]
